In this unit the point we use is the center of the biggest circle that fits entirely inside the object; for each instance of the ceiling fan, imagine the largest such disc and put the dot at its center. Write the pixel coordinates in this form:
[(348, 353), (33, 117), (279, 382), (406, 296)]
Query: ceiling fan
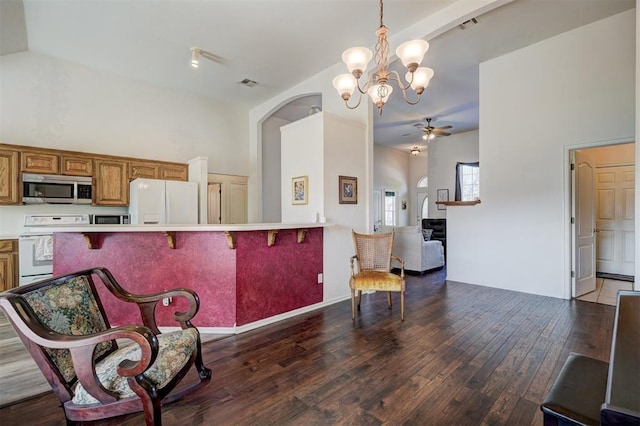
[(430, 132)]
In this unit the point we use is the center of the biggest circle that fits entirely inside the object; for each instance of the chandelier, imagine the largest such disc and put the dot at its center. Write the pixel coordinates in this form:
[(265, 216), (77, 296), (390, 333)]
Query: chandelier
[(410, 53), (415, 150)]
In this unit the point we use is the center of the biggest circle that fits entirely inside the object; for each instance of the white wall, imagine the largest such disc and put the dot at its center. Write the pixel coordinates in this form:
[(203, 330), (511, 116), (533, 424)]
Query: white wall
[(444, 154), (573, 90), (323, 147), (51, 103), (302, 154), (391, 173)]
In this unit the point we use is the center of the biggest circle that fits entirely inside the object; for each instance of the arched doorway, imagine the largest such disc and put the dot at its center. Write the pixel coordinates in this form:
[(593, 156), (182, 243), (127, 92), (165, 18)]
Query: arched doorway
[(293, 110)]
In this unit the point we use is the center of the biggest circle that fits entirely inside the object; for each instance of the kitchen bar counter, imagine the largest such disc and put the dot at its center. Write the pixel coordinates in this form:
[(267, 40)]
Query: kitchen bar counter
[(244, 274)]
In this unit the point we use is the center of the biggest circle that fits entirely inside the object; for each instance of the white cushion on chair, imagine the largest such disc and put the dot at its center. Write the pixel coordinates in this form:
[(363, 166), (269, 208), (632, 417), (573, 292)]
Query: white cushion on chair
[(175, 349)]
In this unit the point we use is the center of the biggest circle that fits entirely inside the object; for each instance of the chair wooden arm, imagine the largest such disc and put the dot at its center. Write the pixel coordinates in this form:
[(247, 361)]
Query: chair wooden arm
[(401, 262), (82, 347), (355, 257), (147, 303)]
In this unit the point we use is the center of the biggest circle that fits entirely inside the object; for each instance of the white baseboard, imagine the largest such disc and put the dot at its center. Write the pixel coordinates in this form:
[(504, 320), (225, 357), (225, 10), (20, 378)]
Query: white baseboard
[(261, 323)]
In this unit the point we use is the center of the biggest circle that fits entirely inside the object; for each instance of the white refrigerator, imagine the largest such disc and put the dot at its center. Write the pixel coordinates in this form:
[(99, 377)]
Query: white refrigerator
[(163, 201)]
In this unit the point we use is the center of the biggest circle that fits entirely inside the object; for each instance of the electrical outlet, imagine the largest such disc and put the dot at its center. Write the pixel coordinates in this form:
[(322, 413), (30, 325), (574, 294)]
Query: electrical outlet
[(320, 278), (166, 301)]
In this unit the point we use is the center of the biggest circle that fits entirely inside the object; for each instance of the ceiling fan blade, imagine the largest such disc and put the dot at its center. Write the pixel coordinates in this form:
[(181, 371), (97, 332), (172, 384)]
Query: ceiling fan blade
[(441, 133), (444, 127)]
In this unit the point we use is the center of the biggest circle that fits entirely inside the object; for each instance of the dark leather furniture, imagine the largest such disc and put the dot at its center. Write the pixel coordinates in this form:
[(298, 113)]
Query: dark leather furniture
[(589, 391), (439, 227)]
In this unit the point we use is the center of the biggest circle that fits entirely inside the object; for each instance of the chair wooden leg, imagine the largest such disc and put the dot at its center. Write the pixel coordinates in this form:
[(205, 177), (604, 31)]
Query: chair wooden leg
[(389, 299), (353, 305), (359, 299), (402, 306)]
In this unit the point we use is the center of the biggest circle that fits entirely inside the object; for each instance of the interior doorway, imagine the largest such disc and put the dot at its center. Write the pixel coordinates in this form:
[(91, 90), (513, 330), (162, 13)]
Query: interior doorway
[(602, 221), (422, 199)]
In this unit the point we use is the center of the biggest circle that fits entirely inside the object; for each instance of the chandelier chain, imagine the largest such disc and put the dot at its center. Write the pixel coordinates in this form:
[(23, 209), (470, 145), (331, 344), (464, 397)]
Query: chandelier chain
[(381, 14)]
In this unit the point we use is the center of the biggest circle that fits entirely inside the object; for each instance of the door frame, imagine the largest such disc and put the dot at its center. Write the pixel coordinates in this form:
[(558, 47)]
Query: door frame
[(568, 201)]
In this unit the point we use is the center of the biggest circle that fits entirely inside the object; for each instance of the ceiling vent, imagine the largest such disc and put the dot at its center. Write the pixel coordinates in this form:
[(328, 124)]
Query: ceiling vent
[(472, 21), (249, 83)]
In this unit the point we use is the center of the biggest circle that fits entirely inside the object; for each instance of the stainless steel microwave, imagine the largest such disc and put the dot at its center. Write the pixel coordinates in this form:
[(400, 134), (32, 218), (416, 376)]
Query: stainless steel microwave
[(56, 189), (110, 219)]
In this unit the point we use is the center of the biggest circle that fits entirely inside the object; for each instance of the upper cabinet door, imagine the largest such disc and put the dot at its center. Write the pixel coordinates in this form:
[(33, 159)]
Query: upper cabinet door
[(111, 183), (9, 177), (77, 166), (143, 169), (40, 162), (174, 172)]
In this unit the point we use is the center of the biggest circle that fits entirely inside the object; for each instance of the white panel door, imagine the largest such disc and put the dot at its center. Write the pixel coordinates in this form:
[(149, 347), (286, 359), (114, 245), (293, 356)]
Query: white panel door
[(584, 228), (615, 212), (236, 203), (214, 197)]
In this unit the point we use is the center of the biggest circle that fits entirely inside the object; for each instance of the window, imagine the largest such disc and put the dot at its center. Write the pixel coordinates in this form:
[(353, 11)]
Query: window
[(467, 182), (425, 208), (389, 208), (422, 198), (470, 183)]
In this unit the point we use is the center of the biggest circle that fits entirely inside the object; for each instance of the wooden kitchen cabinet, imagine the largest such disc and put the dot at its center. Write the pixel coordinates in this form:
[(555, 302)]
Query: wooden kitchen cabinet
[(8, 264), (40, 162), (174, 171), (9, 177), (110, 183), (143, 169), (158, 170), (73, 165)]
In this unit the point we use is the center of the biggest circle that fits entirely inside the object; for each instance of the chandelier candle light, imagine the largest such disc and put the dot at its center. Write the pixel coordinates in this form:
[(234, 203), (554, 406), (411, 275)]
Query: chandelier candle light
[(410, 53)]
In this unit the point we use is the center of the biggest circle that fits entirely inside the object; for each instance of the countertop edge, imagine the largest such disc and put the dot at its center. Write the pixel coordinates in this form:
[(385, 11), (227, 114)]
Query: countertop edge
[(187, 228)]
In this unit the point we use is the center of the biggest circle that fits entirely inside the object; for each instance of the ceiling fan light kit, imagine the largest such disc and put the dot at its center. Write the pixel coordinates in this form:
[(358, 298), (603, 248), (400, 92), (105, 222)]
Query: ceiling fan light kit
[(410, 53), (429, 132)]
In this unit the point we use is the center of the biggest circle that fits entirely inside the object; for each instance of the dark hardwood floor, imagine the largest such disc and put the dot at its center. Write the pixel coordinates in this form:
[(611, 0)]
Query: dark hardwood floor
[(464, 355)]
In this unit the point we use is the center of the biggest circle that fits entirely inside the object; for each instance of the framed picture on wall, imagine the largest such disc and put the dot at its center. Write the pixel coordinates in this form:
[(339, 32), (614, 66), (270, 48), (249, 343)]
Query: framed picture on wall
[(348, 190), (300, 190), (443, 195)]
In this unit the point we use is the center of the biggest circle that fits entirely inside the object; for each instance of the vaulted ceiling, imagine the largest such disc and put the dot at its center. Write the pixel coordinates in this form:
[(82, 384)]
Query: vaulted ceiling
[(281, 43)]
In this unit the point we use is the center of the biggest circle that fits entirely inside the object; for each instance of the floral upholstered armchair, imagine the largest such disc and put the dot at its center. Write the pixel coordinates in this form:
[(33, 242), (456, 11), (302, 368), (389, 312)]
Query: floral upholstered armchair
[(63, 325)]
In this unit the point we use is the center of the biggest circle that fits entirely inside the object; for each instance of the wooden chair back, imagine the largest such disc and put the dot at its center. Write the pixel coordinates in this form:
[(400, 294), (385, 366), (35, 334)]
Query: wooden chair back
[(69, 305), (373, 251)]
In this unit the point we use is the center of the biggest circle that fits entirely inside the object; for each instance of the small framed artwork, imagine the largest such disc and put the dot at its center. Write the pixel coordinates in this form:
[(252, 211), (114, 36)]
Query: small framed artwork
[(443, 195), (348, 190), (300, 190)]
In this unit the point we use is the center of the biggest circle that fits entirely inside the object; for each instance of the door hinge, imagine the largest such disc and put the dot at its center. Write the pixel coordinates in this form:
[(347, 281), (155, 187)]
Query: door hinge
[(573, 220), (573, 166), (573, 274)]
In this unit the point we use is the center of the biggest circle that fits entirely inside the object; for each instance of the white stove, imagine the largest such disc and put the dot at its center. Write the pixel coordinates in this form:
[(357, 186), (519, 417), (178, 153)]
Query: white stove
[(35, 244)]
